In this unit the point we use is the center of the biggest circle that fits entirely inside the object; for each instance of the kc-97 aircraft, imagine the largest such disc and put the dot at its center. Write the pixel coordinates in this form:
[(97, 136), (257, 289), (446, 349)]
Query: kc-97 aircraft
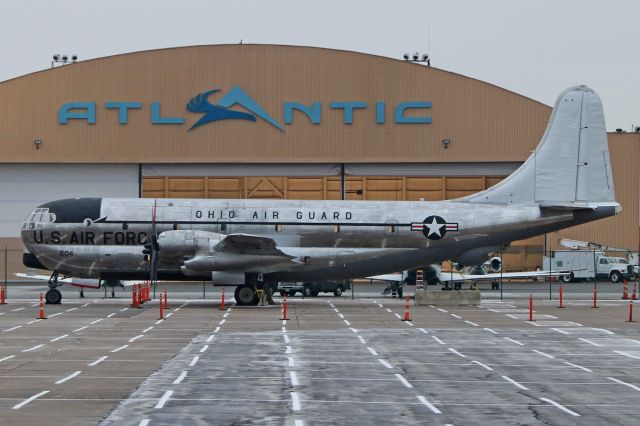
[(256, 243)]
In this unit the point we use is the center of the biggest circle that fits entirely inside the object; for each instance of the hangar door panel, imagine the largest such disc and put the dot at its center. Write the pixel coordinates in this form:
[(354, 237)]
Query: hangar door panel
[(24, 186)]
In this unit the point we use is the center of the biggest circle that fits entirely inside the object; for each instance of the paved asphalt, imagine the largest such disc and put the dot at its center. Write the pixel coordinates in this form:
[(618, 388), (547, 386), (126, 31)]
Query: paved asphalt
[(334, 361)]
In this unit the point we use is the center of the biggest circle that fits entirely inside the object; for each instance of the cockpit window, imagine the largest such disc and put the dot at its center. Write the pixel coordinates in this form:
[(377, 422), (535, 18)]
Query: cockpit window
[(38, 218)]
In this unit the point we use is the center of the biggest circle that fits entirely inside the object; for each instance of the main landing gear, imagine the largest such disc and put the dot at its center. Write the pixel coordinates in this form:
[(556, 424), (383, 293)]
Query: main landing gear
[(248, 294), (53, 295)]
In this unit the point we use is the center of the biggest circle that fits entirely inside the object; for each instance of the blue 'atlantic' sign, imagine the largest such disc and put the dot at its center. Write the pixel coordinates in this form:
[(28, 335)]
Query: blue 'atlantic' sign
[(200, 104)]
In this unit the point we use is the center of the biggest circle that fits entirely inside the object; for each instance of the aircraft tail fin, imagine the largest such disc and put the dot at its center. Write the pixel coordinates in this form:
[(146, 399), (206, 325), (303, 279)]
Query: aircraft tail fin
[(570, 167)]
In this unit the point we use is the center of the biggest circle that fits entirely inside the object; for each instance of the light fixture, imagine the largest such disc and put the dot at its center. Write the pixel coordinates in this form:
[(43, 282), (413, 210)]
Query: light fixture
[(406, 56), (416, 56), (425, 57), (445, 143), (37, 143)]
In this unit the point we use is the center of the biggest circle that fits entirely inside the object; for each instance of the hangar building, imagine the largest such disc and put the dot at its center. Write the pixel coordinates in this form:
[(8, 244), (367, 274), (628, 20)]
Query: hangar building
[(268, 121)]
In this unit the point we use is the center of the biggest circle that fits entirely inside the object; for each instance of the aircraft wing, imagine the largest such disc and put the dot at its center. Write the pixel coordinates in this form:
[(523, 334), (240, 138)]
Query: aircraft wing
[(77, 282), (387, 277), (447, 277), (249, 245)]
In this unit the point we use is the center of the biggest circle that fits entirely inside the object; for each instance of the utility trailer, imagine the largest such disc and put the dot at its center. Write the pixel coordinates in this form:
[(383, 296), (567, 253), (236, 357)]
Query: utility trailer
[(588, 265)]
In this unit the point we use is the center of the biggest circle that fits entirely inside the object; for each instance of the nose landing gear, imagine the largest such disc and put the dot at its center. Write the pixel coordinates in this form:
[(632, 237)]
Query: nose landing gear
[(53, 296)]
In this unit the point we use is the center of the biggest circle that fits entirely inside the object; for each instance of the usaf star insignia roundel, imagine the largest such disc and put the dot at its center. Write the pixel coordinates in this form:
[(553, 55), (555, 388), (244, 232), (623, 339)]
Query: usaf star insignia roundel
[(434, 227)]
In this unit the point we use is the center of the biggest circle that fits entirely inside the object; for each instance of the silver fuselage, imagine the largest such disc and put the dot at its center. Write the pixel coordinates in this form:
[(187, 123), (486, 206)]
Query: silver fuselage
[(321, 239)]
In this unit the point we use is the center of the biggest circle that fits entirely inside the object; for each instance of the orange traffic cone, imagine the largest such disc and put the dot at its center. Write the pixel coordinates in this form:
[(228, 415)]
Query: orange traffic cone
[(625, 290), (222, 302), (406, 310), (41, 315)]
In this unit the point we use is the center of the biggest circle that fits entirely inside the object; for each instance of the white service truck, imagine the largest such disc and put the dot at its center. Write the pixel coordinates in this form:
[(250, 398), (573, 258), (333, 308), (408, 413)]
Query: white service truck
[(588, 265)]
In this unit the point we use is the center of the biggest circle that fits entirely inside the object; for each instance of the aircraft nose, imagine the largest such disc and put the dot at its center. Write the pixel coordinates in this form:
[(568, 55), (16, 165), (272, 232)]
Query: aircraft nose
[(73, 210)]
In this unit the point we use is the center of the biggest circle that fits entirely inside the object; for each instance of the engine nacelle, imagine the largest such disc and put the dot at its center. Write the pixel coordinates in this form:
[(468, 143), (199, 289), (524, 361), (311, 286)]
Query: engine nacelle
[(495, 264), (187, 242)]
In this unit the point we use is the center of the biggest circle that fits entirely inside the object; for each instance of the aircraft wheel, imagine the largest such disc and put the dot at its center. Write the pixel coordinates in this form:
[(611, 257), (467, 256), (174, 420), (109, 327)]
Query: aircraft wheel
[(246, 295), (53, 296), (400, 293), (338, 291), (306, 290), (282, 293)]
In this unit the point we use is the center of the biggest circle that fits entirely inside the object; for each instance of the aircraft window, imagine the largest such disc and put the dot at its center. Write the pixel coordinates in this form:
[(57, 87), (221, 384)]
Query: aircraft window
[(391, 230), (125, 226), (223, 227), (336, 228), (279, 227)]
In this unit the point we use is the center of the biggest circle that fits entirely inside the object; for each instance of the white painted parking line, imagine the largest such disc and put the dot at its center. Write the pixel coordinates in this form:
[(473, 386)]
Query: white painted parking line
[(216, 330), (12, 328), (284, 329), (164, 399), (604, 329), (210, 338), (147, 329), (563, 408), (295, 401), (404, 381), (144, 422), (168, 315), (472, 323), (204, 348), (560, 331), (34, 348), (98, 361), (159, 321), (578, 366), (380, 304), (341, 316), (180, 378), (354, 329), (294, 378), (96, 321), (28, 400), (385, 363), (514, 341), (485, 366), (69, 377), (437, 340), (111, 315), (85, 305), (50, 316), (457, 353), (373, 351), (36, 320), (624, 383), (119, 349), (123, 309), (194, 360), (423, 330), (80, 329), (6, 358), (397, 315), (626, 354), (442, 310), (225, 315), (286, 338), (589, 341), (133, 339), (290, 361), (364, 342), (388, 310), (16, 310), (428, 404), (513, 382), (73, 309), (456, 316), (347, 322), (543, 354), (491, 331), (222, 321)]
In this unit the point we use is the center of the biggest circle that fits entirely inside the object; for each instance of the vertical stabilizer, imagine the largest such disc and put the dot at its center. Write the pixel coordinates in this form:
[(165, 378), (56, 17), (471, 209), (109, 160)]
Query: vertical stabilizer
[(570, 167)]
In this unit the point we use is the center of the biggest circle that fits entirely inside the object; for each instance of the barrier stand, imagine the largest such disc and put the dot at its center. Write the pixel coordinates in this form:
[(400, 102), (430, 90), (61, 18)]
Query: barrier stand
[(406, 316), (41, 315), (631, 312), (625, 290), (595, 298), (530, 307), (222, 302), (561, 305), (3, 295), (634, 295), (161, 314), (284, 308), (166, 300)]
